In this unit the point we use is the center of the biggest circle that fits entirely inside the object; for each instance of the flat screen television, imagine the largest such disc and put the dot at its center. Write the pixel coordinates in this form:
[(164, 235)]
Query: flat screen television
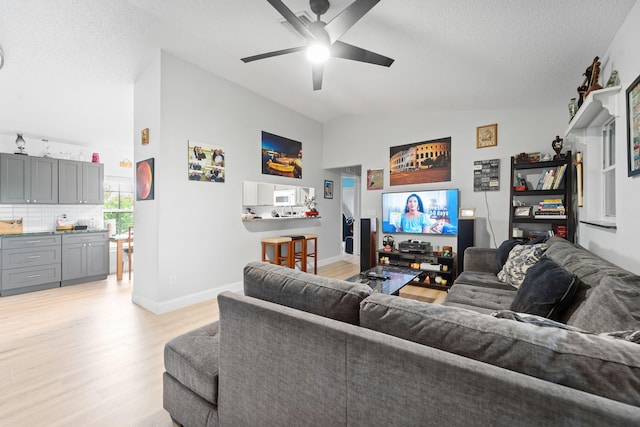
[(420, 212)]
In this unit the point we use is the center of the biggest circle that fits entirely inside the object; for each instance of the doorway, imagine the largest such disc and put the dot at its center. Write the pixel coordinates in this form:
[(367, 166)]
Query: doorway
[(350, 201)]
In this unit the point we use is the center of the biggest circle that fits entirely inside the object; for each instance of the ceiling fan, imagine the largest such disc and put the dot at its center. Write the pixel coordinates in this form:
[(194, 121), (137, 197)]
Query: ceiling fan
[(323, 38)]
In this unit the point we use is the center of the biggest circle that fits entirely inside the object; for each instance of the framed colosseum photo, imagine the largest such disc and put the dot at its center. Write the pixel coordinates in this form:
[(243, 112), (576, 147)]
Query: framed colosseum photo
[(420, 162)]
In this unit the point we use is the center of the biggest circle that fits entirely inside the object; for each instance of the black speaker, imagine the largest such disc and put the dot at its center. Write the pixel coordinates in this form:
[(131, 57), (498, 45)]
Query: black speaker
[(466, 233), (368, 253)]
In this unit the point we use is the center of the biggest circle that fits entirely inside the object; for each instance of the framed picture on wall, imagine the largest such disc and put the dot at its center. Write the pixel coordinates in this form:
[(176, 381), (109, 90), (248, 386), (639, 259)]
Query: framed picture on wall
[(420, 162), (633, 127), (281, 156), (328, 189), (206, 162), (144, 180), (375, 179), (487, 136)]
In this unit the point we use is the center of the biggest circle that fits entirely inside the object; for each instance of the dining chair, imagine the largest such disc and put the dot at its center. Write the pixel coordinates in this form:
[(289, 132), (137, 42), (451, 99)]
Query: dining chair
[(127, 248)]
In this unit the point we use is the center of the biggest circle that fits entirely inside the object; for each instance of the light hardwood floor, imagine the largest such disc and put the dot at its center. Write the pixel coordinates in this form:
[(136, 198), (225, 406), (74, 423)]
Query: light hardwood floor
[(85, 355)]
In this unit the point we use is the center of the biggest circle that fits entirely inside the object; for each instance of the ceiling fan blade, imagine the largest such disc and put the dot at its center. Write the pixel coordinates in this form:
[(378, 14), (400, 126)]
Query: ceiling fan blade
[(271, 54), (346, 51), (348, 17), (316, 72), (292, 18)]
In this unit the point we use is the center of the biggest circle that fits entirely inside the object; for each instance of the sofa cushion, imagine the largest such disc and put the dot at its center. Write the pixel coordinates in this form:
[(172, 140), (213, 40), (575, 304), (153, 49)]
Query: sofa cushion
[(332, 298), (592, 363), (489, 299), (480, 278), (613, 305), (547, 290), (192, 359), (589, 267), (520, 259)]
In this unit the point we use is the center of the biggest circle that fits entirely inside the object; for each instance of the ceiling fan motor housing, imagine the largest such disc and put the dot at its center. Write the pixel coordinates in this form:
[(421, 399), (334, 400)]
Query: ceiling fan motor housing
[(319, 7)]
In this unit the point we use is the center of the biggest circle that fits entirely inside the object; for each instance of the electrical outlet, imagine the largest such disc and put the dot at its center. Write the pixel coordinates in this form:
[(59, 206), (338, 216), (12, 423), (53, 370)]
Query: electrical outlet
[(173, 280)]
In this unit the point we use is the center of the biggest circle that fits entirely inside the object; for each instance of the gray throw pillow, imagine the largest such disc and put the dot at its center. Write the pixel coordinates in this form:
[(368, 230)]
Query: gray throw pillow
[(520, 259), (547, 290)]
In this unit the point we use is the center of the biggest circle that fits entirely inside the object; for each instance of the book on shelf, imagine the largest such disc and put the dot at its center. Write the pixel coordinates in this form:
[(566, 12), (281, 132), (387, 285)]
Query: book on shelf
[(549, 216), (559, 175), (560, 230), (551, 178)]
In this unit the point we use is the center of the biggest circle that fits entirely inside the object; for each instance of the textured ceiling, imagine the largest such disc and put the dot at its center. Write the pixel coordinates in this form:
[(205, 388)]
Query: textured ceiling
[(70, 64)]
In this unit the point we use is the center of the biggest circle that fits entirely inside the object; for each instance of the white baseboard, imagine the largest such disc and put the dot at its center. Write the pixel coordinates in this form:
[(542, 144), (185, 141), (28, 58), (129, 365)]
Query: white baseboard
[(166, 306)]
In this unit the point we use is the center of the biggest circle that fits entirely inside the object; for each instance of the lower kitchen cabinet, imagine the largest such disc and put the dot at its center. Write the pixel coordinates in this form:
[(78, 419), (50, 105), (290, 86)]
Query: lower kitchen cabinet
[(33, 262), (85, 257), (30, 263)]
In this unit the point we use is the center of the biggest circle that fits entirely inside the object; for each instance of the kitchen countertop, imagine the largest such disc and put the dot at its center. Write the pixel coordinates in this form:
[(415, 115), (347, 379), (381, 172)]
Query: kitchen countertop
[(49, 233)]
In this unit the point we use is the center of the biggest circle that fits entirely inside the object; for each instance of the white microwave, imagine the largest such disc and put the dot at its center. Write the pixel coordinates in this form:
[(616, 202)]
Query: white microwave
[(284, 197)]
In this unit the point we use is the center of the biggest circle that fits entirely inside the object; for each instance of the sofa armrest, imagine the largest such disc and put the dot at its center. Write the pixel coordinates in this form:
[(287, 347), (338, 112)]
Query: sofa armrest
[(480, 259)]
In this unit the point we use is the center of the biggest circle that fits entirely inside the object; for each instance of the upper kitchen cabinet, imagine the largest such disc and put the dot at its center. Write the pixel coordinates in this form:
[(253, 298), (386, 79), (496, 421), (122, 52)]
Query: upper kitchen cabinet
[(27, 179), (81, 182)]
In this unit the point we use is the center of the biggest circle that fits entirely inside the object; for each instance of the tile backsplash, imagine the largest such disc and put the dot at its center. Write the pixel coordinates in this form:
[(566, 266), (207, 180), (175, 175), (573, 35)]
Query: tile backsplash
[(37, 218)]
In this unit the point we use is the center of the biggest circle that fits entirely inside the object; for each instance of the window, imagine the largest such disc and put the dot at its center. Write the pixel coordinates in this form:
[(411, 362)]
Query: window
[(119, 198), (609, 169)]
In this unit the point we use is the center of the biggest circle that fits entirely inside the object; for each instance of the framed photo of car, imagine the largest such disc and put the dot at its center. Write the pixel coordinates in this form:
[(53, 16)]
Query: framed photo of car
[(522, 212)]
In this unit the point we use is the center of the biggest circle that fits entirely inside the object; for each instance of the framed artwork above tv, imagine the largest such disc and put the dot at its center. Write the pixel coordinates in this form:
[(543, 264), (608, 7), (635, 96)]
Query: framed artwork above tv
[(421, 212)]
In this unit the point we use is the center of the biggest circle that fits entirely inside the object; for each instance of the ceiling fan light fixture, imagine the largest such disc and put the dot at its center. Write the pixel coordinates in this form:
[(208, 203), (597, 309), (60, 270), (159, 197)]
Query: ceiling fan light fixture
[(318, 53)]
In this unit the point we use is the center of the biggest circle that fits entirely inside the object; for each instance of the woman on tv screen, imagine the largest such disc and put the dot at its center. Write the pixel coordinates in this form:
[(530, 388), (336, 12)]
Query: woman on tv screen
[(410, 214), (413, 219)]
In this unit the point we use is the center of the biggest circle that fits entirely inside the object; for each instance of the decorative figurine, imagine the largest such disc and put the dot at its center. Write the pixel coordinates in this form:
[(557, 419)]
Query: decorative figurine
[(21, 144), (557, 147), (592, 74)]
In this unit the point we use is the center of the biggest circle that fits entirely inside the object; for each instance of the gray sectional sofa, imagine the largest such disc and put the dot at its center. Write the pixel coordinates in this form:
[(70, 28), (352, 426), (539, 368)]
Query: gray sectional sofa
[(301, 350)]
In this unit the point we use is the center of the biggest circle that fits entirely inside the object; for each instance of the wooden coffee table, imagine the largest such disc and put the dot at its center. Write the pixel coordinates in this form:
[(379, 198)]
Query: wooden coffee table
[(421, 293)]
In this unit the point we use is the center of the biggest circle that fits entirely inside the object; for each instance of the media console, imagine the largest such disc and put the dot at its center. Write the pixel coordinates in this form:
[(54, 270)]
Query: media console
[(429, 266)]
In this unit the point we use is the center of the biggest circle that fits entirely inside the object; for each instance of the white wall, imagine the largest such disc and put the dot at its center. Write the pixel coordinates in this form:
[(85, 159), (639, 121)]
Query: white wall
[(366, 140), (619, 246), (193, 230)]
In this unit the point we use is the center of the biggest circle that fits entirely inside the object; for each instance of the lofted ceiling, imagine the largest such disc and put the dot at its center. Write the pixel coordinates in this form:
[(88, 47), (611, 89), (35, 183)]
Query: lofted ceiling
[(70, 65)]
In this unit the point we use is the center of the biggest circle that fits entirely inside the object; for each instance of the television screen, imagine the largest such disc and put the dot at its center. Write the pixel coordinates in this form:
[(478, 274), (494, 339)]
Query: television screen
[(420, 212)]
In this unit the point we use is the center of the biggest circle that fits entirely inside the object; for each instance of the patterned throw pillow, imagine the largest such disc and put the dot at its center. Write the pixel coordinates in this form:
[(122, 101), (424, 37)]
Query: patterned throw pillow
[(521, 257)]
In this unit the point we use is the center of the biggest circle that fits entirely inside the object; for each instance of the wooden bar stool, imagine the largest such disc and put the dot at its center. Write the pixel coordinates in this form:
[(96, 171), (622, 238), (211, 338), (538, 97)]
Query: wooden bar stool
[(302, 253), (311, 254), (279, 243)]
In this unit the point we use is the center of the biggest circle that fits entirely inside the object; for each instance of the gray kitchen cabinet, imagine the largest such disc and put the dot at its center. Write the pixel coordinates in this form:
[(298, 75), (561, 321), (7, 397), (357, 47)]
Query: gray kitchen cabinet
[(81, 182), (30, 263), (27, 179), (85, 257)]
